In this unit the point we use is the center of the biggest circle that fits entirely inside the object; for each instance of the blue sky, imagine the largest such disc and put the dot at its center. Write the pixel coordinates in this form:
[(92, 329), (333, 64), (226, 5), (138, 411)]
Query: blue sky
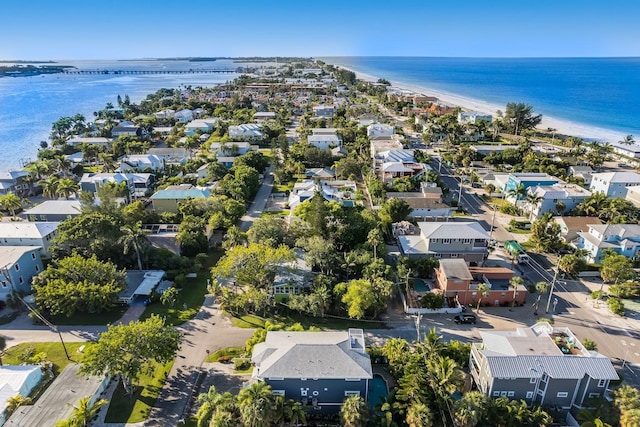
[(80, 29)]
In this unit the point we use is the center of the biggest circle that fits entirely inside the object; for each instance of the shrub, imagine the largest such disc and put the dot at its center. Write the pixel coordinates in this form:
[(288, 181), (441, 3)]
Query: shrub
[(241, 363), (589, 344), (509, 209), (616, 306), (597, 294)]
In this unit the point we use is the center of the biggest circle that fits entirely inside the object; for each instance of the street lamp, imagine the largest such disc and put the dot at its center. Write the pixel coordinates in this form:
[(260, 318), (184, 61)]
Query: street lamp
[(493, 220), (553, 285), (418, 319)]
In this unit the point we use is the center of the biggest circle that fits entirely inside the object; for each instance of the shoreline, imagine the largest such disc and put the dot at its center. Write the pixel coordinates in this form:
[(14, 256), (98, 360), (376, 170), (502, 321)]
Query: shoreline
[(563, 127)]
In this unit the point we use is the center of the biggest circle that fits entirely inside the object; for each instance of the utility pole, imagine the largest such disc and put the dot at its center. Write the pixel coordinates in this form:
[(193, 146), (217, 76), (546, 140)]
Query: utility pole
[(418, 320), (553, 285), (493, 220)]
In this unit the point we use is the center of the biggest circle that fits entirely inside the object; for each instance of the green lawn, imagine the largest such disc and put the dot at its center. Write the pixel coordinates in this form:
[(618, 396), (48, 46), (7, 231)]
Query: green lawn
[(136, 408), (283, 188), (105, 318), (190, 297), (229, 352), (515, 230), (55, 353), (276, 213), (255, 321)]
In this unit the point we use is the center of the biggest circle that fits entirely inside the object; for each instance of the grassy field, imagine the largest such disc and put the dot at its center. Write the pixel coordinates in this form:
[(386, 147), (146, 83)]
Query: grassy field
[(190, 297), (136, 408), (255, 321)]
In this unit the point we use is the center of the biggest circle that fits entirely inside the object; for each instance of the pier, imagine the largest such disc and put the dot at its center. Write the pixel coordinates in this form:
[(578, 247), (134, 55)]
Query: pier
[(197, 71)]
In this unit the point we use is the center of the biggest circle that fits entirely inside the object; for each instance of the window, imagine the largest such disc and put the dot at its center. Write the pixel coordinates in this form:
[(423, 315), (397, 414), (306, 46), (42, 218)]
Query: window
[(303, 379), (315, 393), (37, 268), (594, 395), (532, 380), (20, 279), (303, 392), (510, 393), (278, 392), (349, 393), (496, 393), (276, 379), (4, 284), (454, 255), (446, 241), (529, 395), (602, 383), (562, 394), (17, 267), (33, 255), (466, 241)]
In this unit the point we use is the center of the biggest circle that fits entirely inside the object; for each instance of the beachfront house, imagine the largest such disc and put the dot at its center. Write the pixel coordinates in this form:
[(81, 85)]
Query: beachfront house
[(127, 128), (542, 365), (37, 234), (614, 184), (18, 265), (74, 141), (623, 239), (632, 150), (318, 369), (473, 117), (441, 240)]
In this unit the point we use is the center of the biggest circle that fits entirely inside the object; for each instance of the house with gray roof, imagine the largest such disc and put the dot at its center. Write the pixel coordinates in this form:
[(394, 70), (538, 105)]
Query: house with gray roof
[(318, 369), (623, 239), (542, 365), (18, 265), (167, 200), (53, 211), (467, 240)]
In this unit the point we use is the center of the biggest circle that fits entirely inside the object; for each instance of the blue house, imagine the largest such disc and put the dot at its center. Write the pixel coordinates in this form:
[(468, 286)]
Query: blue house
[(18, 265), (318, 369), (623, 239), (529, 180)]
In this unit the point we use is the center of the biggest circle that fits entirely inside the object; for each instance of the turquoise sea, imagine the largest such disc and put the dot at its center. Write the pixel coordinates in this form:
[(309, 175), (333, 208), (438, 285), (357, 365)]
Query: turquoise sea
[(600, 96), (584, 93)]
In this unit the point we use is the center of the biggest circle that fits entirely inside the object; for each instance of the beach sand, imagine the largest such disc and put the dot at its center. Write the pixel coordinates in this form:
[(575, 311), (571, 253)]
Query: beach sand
[(563, 127)]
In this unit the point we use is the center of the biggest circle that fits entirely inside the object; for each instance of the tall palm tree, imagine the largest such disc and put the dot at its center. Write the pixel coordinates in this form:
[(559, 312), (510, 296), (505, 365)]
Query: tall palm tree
[(374, 238), (354, 412), (84, 411), (532, 201), (483, 292), (432, 344), (11, 203), (444, 378), (514, 283), (541, 288), (67, 187), (627, 140), (217, 409), (108, 162), (419, 415), (256, 405), (134, 237), (49, 186), (298, 415)]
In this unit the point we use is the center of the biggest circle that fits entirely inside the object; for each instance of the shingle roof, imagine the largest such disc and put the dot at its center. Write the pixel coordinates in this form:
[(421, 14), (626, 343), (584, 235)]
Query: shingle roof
[(327, 355)]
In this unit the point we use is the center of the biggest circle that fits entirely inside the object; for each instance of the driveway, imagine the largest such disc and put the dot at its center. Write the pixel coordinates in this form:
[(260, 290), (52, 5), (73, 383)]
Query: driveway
[(259, 201)]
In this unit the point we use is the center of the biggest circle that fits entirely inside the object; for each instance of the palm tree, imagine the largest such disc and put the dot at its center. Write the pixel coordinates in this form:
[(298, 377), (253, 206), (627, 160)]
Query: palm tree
[(431, 345), (16, 401), (11, 202), (483, 292), (514, 283), (374, 238), (84, 411), (256, 405), (66, 187), (560, 207), (108, 162), (49, 186), (419, 415), (533, 200), (217, 409), (298, 415), (354, 412), (541, 288), (445, 378), (134, 237), (627, 140), (234, 237)]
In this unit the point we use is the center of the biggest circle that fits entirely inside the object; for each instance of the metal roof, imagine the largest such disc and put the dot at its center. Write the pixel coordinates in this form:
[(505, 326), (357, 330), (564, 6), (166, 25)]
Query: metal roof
[(452, 230)]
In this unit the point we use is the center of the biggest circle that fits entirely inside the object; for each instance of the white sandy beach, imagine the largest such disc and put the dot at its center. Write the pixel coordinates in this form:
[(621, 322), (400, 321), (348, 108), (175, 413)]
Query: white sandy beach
[(589, 133)]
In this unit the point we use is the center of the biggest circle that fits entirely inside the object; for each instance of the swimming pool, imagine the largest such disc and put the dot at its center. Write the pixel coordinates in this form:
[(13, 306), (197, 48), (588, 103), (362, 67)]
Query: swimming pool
[(378, 390), (420, 285)]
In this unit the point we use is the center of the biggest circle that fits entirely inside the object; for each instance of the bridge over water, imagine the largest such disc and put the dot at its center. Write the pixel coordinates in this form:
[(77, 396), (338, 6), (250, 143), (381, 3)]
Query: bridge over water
[(197, 71)]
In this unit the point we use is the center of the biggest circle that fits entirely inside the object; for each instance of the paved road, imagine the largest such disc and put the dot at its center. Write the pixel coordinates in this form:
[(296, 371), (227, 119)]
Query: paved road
[(259, 201)]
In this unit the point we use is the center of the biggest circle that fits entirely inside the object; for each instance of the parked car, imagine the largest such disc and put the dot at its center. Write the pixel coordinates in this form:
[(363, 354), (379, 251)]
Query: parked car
[(465, 318)]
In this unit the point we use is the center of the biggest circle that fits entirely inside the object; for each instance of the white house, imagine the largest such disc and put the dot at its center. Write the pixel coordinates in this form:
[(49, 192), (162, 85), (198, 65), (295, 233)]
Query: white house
[(140, 162), (230, 149), (183, 116), (380, 129), (200, 125), (473, 117), (165, 114), (614, 184), (38, 234), (262, 116), (583, 172), (558, 199), (633, 195), (99, 141), (324, 141), (632, 151), (623, 239), (171, 155), (247, 131)]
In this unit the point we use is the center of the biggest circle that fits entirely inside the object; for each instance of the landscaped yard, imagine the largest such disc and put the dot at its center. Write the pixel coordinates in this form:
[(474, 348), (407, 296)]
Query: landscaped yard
[(133, 409), (190, 297)]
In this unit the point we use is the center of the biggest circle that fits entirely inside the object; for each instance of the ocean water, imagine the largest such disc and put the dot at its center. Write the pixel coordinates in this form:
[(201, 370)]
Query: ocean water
[(29, 105), (589, 93)]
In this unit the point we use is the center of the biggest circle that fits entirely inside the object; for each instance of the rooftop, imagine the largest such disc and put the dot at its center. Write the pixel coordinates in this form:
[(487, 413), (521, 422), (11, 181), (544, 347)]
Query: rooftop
[(59, 207), (27, 230), (455, 269)]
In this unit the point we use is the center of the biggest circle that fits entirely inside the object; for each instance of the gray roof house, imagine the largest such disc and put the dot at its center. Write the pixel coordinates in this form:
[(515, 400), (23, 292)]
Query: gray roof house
[(53, 210), (542, 364), (318, 369), (466, 240)]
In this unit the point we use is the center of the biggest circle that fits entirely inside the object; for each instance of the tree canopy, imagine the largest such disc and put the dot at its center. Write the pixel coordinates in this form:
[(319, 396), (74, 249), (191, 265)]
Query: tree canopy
[(519, 117)]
